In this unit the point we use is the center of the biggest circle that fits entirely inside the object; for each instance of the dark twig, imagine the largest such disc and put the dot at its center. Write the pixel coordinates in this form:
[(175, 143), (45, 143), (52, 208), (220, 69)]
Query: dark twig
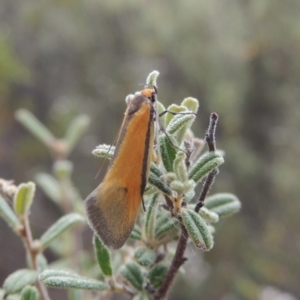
[(179, 259), (210, 138), (177, 262), (206, 187), (211, 132)]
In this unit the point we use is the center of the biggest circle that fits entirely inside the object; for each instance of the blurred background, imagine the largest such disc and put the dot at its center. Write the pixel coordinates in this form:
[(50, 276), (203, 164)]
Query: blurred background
[(61, 58)]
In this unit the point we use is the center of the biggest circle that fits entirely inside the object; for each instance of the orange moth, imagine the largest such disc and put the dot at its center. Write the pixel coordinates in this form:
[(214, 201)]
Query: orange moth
[(112, 208)]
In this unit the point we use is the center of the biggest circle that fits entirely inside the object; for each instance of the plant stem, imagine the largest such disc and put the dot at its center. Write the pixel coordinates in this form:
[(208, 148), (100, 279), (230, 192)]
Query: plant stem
[(177, 261), (32, 252)]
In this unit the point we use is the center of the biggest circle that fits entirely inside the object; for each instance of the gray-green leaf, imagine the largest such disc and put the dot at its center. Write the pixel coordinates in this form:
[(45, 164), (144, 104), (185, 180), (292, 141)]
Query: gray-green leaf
[(144, 256), (24, 197), (204, 165), (59, 227), (74, 282), (16, 281), (157, 275), (197, 229), (8, 214), (133, 274), (224, 204), (30, 293)]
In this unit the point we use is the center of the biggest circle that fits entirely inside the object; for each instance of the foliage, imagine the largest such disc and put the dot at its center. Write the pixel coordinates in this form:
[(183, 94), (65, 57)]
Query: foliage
[(175, 215)]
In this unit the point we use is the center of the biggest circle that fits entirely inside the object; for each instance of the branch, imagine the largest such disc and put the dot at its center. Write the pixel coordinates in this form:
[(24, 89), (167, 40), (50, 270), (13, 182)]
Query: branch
[(177, 261)]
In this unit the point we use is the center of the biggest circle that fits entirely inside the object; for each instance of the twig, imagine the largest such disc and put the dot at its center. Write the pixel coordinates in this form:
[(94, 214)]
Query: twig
[(177, 261), (32, 252), (211, 132), (179, 258), (206, 187), (210, 138)]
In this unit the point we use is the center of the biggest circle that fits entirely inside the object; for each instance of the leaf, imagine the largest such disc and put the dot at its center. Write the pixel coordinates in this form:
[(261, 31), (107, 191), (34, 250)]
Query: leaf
[(23, 197), (208, 215), (103, 257), (157, 275), (155, 181), (136, 233), (16, 281), (73, 281), (50, 186), (155, 169), (8, 214), (30, 293), (179, 166), (167, 151), (152, 78), (144, 256), (104, 151), (35, 126), (197, 229), (75, 131), (41, 262), (59, 227), (164, 223), (223, 204), (133, 274), (180, 122), (192, 104), (151, 218), (204, 165), (56, 273)]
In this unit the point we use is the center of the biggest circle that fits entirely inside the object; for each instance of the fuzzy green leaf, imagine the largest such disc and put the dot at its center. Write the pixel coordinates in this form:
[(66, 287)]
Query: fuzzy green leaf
[(167, 151), (157, 275), (75, 131), (208, 215), (104, 151), (30, 293), (155, 170), (152, 78), (164, 224), (172, 110), (34, 126), (179, 166), (41, 262), (151, 218), (204, 165), (192, 104), (224, 204), (103, 257), (73, 281), (49, 185), (59, 227), (197, 230), (144, 256), (133, 274), (56, 273), (23, 197), (8, 214), (155, 181), (179, 121), (16, 281), (136, 233)]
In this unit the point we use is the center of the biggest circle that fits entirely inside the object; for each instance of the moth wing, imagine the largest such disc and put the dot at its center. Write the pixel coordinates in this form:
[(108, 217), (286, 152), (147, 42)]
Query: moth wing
[(122, 208)]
